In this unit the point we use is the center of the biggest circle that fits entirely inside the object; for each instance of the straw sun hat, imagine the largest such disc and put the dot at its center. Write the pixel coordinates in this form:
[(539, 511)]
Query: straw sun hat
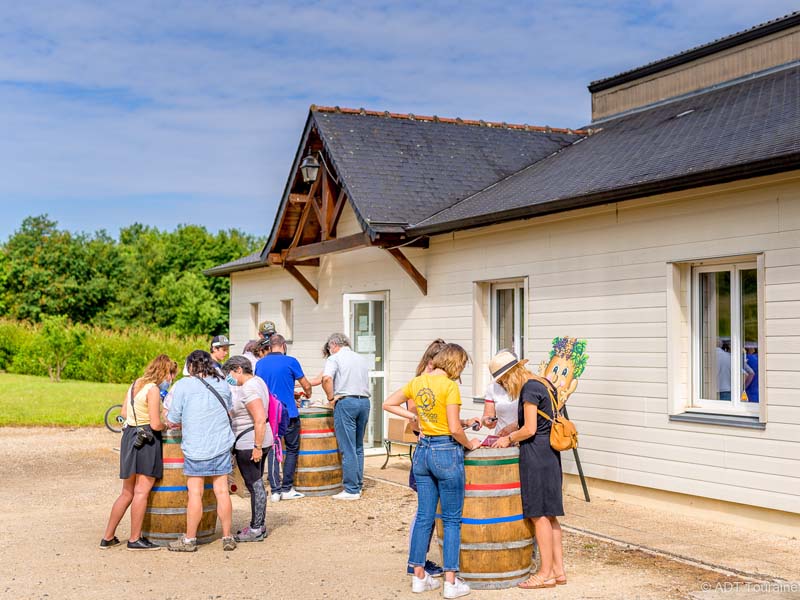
[(503, 362)]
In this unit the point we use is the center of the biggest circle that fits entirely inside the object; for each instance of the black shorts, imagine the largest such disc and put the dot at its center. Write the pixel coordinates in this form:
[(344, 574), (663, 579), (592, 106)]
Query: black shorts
[(146, 460)]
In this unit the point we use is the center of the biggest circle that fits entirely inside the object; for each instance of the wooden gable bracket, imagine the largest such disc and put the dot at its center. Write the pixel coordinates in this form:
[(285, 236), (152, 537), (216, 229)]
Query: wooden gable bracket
[(307, 285), (409, 268)]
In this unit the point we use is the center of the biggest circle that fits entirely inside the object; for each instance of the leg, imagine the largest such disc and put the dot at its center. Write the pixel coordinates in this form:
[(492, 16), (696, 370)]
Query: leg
[(141, 491), (362, 420), (344, 421), (273, 471), (119, 507), (558, 552), (194, 507), (253, 475), (448, 466), (224, 507), (427, 498), (292, 441), (544, 537)]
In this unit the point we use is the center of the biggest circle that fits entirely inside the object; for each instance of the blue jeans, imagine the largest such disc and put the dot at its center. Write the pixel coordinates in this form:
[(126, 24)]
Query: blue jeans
[(350, 417), (439, 471), (291, 446)]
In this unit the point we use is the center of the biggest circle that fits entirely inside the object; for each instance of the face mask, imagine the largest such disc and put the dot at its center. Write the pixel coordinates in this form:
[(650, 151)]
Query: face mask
[(163, 386), (231, 380)]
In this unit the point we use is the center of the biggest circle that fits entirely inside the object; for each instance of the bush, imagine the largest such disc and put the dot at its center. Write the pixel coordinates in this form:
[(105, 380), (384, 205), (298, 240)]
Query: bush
[(102, 355)]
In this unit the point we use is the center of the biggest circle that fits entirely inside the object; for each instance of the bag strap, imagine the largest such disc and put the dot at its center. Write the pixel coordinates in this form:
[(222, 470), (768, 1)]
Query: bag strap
[(248, 430), (133, 408), (550, 389), (218, 397)]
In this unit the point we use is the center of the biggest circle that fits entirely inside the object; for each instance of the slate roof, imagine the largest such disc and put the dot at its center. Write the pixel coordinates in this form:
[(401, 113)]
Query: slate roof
[(740, 130), (251, 261), (400, 169), (729, 41)]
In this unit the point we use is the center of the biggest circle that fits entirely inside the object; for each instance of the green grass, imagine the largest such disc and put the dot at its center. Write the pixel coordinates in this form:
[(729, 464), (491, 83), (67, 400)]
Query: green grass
[(31, 400)]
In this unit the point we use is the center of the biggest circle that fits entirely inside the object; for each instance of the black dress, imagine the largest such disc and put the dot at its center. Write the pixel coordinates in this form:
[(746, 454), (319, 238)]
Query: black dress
[(539, 465)]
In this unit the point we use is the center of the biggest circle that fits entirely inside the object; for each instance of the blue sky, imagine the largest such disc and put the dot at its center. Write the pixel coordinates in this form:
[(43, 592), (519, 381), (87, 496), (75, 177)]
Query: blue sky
[(190, 112)]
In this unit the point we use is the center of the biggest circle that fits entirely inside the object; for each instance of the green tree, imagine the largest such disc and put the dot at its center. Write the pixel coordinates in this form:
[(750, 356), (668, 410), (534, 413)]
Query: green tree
[(56, 343), (187, 305)]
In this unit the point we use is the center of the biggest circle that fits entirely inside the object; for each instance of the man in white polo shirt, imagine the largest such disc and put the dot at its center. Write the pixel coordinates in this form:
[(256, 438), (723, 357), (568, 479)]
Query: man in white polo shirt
[(346, 382)]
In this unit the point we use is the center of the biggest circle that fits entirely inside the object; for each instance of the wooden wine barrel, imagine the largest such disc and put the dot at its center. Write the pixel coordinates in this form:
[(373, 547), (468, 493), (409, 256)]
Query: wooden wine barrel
[(165, 516), (319, 466), (496, 541)]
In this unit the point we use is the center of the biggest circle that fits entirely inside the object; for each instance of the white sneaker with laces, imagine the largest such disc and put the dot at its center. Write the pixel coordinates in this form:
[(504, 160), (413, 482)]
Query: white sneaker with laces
[(343, 495), (292, 494), (425, 584), (457, 589), (276, 497)]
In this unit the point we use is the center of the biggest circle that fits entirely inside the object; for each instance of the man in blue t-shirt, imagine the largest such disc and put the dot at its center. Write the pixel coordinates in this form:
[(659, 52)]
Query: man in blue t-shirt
[(280, 373)]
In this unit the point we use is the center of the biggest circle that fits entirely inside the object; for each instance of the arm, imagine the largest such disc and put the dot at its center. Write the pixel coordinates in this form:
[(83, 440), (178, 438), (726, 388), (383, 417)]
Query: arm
[(305, 385), (396, 404), (125, 401), (489, 418), (523, 433), (256, 409), (154, 408), (317, 380), (327, 387), (454, 423)]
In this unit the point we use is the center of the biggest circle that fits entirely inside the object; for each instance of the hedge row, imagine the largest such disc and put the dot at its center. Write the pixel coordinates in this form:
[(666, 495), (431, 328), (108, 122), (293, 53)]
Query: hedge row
[(100, 355)]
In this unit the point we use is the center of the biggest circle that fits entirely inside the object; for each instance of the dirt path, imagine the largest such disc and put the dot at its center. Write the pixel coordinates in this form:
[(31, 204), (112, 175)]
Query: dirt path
[(58, 485)]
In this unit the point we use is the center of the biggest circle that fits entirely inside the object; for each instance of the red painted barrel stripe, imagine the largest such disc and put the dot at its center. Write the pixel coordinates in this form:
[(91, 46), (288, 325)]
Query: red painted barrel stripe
[(175, 461), (492, 486), (302, 431)]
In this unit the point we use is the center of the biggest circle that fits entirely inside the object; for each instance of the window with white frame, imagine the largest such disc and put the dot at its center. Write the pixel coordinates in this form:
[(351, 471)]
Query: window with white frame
[(508, 317), (255, 315), (725, 337)]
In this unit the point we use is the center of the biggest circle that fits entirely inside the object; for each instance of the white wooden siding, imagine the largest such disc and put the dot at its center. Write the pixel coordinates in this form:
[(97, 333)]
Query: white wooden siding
[(599, 274)]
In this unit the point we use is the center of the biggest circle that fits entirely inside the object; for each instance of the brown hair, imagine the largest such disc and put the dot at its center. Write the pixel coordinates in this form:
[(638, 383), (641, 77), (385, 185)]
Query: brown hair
[(516, 377), (451, 359), (159, 369), (432, 350)]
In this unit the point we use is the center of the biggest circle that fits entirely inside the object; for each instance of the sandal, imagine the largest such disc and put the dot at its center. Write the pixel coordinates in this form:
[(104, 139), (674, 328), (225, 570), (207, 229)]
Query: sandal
[(561, 579), (535, 582)]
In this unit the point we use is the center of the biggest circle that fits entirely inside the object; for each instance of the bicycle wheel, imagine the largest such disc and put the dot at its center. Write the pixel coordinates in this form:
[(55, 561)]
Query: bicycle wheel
[(113, 418)]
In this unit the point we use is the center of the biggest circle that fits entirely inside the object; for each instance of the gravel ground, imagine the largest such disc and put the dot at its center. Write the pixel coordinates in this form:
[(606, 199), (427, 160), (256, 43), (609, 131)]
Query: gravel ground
[(58, 486)]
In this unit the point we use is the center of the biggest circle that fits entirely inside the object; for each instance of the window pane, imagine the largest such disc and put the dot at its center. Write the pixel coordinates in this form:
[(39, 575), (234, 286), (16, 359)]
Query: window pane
[(521, 333), (504, 327), (715, 335), (749, 301)]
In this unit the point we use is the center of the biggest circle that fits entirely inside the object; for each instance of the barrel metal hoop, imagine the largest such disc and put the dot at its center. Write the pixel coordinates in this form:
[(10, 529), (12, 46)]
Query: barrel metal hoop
[(174, 536), (496, 545), (471, 462), (507, 574), (317, 469), (307, 436), (152, 510), (491, 493), (316, 452), (495, 453), (318, 488)]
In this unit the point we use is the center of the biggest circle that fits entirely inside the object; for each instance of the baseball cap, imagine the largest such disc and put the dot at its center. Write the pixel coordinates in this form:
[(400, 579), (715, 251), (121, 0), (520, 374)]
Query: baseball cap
[(266, 328), (220, 340)]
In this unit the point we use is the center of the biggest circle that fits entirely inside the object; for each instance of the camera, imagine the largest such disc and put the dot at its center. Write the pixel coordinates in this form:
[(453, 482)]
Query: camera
[(143, 436)]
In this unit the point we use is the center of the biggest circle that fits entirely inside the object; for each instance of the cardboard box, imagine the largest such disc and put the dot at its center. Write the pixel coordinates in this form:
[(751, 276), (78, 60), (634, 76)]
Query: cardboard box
[(399, 430)]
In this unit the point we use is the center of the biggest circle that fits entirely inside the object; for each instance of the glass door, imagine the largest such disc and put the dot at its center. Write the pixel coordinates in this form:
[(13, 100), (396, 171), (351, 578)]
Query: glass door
[(366, 326)]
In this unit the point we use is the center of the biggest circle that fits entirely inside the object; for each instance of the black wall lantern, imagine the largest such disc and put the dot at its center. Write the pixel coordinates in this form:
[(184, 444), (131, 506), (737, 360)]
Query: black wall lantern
[(309, 169)]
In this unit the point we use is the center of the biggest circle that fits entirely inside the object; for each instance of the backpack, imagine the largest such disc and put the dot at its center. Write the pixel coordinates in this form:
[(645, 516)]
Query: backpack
[(563, 434), (278, 417)]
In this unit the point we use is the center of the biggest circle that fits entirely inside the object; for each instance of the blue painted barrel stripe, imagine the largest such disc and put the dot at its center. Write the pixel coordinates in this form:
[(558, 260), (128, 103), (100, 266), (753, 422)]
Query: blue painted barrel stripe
[(508, 519), (334, 451), (178, 488)]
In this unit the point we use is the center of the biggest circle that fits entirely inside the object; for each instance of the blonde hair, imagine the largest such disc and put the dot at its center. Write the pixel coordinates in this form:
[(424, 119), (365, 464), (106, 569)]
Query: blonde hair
[(516, 377), (432, 350), (451, 359), (161, 367)]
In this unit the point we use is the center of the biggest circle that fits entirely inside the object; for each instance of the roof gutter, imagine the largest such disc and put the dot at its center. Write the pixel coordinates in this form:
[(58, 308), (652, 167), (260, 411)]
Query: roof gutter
[(760, 168)]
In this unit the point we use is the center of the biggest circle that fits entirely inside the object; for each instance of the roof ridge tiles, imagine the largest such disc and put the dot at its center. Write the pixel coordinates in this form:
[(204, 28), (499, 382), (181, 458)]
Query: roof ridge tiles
[(450, 120)]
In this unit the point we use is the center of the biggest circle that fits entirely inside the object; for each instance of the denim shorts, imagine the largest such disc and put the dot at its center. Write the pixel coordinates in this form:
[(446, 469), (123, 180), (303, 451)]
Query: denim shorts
[(219, 465)]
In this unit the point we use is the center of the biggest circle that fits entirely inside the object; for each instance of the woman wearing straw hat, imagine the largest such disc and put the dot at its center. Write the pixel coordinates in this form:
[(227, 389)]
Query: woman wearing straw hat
[(499, 408), (539, 465)]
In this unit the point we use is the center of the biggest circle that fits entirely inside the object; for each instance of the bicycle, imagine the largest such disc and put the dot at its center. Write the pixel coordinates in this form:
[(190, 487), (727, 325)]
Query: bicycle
[(113, 418)]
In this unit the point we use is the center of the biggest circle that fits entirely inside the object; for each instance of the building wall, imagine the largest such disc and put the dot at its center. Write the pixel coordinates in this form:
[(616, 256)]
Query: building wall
[(602, 274), (739, 61)]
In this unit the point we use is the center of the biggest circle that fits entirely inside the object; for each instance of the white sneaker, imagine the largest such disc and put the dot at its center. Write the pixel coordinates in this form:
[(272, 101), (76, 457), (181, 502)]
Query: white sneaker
[(457, 589), (276, 497), (292, 494), (425, 584), (343, 495)]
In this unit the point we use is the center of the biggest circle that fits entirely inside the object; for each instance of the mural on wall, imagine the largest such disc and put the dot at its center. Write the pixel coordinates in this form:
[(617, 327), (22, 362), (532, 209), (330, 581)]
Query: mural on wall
[(565, 365)]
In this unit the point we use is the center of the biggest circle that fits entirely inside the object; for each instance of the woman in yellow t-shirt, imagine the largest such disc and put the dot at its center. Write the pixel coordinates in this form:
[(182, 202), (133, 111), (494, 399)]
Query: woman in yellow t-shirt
[(438, 463)]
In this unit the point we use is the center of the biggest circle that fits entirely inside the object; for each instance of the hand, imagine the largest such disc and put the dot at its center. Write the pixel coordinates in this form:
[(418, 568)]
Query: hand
[(489, 422), (473, 421), (474, 444), (258, 453), (503, 442)]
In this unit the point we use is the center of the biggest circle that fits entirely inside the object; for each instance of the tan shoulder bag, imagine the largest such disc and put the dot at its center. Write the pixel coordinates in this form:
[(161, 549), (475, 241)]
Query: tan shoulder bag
[(563, 434)]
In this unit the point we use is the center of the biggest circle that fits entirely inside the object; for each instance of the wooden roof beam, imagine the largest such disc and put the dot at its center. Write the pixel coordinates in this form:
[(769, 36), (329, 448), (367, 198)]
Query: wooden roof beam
[(317, 249), (307, 285), (409, 268)]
